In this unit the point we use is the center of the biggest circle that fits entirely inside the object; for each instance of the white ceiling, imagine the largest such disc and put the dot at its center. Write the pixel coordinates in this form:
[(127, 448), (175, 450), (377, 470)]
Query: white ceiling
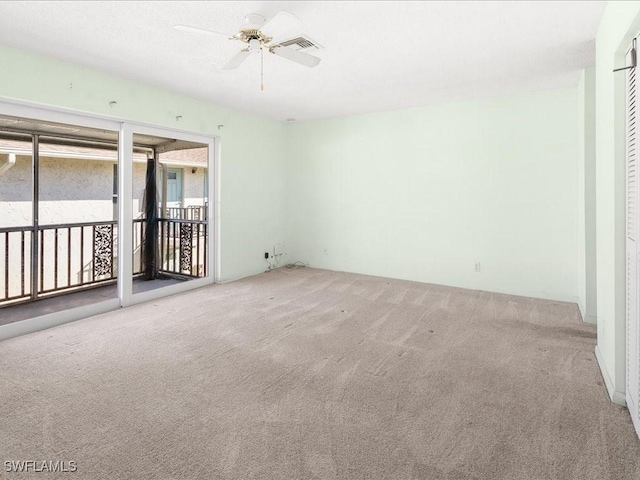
[(377, 55)]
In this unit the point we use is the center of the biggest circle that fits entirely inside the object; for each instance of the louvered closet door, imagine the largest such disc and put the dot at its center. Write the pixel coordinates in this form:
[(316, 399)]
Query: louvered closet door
[(633, 328)]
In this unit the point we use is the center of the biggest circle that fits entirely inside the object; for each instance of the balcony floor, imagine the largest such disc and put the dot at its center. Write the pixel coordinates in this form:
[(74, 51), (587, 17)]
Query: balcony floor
[(23, 311)]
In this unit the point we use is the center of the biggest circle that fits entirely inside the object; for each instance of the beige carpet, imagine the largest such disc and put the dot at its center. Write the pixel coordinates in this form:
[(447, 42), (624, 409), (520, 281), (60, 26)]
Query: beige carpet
[(310, 374)]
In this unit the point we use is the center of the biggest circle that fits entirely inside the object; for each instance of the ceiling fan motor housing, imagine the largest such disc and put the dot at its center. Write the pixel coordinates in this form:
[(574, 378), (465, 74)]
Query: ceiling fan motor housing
[(248, 34)]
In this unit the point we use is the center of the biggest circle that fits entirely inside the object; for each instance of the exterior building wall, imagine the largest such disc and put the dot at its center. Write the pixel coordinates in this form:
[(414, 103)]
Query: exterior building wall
[(193, 185), (71, 191), (139, 178), (15, 194), (76, 190)]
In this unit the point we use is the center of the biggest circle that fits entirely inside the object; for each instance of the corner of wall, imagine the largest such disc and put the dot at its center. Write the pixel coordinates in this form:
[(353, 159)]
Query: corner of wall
[(616, 397), (581, 308)]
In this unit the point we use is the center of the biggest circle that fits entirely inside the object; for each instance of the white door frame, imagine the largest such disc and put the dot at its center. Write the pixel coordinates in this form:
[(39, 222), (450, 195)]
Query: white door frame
[(127, 164), (632, 215), (125, 129)]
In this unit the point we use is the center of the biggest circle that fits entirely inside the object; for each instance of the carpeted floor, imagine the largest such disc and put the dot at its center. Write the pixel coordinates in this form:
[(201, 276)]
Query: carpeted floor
[(311, 374)]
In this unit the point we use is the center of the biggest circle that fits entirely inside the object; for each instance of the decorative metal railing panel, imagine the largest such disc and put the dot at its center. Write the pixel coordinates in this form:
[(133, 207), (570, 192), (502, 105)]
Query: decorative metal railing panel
[(103, 250), (183, 247)]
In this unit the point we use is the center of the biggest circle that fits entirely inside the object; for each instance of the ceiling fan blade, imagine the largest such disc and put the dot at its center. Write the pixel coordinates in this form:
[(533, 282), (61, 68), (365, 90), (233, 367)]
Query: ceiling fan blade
[(282, 26), (295, 56), (201, 31), (236, 60)]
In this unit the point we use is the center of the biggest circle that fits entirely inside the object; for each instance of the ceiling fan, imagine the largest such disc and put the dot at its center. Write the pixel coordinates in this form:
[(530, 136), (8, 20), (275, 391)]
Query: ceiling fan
[(260, 36)]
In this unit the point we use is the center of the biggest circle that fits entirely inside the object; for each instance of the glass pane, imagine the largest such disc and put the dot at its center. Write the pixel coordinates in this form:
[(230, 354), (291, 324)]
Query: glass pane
[(16, 205), (171, 245), (60, 238), (78, 215)]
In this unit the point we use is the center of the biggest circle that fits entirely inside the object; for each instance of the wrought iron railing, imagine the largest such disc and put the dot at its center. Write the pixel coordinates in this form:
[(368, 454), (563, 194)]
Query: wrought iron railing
[(194, 212), (16, 243), (48, 260), (40, 261), (183, 247)]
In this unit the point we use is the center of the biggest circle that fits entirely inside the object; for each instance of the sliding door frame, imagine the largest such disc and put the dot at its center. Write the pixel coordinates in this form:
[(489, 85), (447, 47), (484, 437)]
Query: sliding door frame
[(129, 129), (125, 130)]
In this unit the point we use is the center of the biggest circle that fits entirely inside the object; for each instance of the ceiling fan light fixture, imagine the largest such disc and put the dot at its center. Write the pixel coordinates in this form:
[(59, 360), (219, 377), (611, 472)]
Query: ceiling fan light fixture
[(254, 45)]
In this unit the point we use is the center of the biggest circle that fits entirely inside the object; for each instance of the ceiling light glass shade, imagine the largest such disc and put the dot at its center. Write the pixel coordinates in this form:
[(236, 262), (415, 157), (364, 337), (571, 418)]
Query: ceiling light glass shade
[(254, 45)]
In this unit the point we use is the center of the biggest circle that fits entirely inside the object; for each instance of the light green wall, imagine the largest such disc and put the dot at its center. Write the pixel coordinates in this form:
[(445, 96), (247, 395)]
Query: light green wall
[(619, 25), (252, 160), (587, 270), (425, 193)]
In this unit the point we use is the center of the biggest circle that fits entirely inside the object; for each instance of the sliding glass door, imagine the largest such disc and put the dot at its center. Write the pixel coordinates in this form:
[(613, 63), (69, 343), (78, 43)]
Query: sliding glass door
[(101, 213)]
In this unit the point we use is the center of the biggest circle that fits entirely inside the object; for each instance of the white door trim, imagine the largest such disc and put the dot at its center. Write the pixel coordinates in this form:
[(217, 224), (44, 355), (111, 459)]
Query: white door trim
[(125, 215), (212, 259), (632, 241)]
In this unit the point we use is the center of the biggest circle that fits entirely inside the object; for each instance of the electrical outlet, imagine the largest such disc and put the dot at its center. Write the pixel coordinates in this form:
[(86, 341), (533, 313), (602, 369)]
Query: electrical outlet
[(266, 255), (477, 267)]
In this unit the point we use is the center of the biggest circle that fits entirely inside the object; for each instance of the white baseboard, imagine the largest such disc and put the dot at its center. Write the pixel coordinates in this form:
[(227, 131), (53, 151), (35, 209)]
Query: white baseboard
[(592, 319), (246, 274), (635, 417), (583, 313), (618, 398)]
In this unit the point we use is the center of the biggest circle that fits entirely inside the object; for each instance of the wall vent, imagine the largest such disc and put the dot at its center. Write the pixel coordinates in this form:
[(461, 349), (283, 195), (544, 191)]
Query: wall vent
[(301, 43)]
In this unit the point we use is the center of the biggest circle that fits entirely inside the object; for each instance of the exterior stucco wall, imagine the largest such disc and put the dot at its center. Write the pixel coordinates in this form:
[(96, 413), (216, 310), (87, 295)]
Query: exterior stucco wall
[(15, 194), (139, 176), (193, 185), (71, 191), (76, 190)]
